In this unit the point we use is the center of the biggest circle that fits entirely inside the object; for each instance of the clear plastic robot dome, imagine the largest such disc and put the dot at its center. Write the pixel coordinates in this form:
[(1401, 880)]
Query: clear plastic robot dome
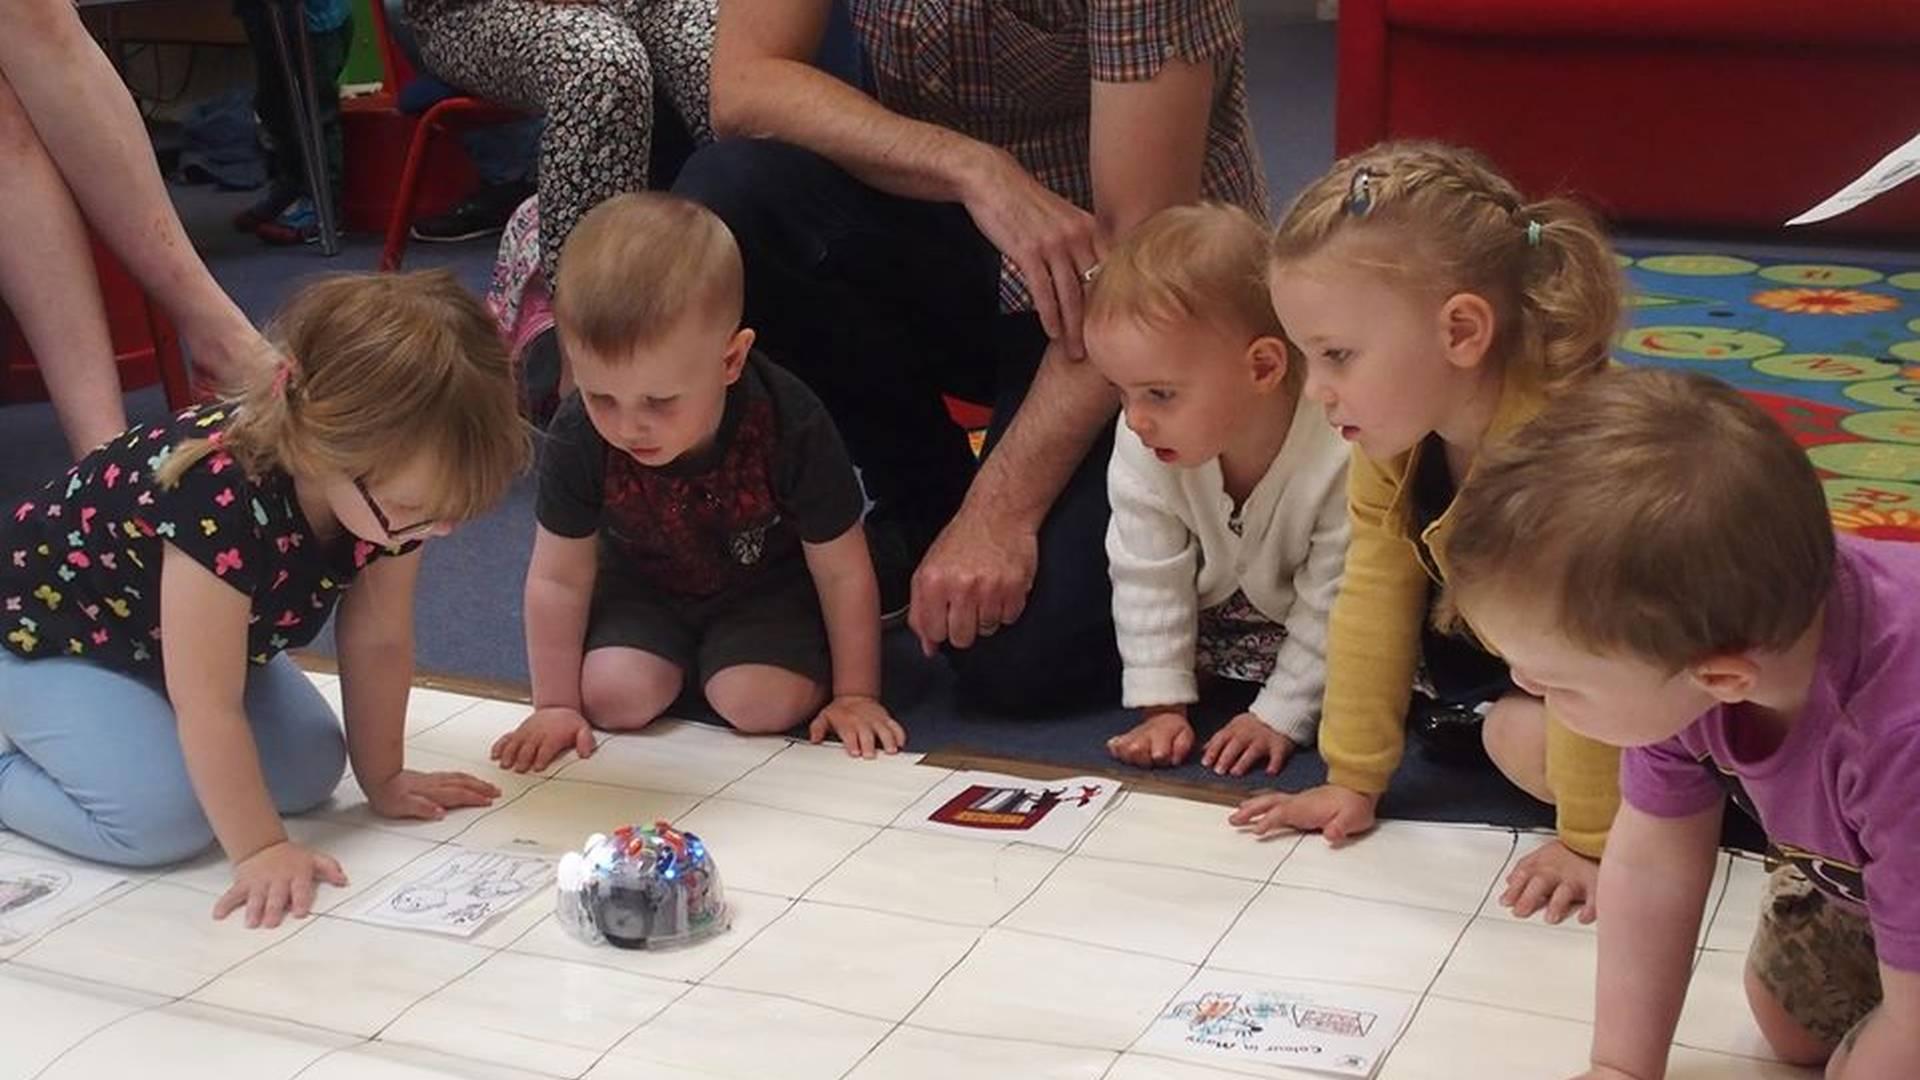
[(642, 888)]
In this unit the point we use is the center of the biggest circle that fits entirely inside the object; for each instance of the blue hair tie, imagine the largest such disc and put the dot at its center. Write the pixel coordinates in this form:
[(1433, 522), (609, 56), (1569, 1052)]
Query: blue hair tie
[(1533, 233)]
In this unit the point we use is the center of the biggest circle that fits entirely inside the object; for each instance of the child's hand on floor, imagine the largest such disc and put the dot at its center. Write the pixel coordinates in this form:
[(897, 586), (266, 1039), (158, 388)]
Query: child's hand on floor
[(1338, 813), (1163, 738), (862, 724), (429, 796), (1242, 744), (1557, 878), (541, 737), (278, 881)]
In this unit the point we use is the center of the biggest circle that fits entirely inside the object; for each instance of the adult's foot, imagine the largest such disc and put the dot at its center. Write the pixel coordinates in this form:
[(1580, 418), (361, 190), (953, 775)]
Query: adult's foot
[(484, 213)]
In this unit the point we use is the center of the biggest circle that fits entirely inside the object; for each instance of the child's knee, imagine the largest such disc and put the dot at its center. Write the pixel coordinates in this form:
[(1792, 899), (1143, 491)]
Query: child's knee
[(762, 700), (161, 832), (315, 762), (1515, 735), (1790, 1040), (626, 689)]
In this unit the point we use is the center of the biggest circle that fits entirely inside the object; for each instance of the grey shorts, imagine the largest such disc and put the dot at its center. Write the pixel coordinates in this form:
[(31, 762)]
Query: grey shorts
[(779, 625)]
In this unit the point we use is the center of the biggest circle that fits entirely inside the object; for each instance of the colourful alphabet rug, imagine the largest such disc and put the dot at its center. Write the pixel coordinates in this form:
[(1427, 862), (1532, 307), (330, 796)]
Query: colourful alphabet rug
[(1831, 350)]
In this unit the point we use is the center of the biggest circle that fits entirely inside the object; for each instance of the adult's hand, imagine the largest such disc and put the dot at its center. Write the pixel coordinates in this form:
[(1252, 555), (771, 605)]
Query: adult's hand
[(1052, 242), (973, 581)]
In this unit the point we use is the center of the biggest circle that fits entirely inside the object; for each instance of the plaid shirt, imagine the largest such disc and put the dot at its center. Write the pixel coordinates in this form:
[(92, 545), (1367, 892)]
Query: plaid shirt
[(1018, 74)]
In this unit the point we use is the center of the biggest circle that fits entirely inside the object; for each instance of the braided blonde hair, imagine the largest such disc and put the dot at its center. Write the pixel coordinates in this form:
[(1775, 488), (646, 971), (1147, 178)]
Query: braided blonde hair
[(1440, 218)]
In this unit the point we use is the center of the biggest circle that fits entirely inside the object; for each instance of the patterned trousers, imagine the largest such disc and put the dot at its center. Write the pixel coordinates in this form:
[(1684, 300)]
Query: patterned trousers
[(592, 68)]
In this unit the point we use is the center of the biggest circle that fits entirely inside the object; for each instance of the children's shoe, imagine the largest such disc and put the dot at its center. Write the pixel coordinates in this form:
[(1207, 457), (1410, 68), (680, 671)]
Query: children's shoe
[(1447, 732), (264, 209), (299, 223)]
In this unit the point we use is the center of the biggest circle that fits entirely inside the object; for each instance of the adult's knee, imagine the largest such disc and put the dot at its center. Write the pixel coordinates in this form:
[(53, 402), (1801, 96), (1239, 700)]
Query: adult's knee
[(609, 77), (741, 180), (1035, 666)]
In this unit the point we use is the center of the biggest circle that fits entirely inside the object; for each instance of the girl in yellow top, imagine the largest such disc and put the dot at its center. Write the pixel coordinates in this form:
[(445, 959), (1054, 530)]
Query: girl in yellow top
[(1437, 310)]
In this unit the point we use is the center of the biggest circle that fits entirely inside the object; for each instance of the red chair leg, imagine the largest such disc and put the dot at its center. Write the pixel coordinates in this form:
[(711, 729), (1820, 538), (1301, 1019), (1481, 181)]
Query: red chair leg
[(176, 382), (401, 219)]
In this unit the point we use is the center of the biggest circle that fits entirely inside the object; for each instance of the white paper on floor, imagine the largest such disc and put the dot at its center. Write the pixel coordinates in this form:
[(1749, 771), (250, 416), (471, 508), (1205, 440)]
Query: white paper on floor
[(36, 894), (1221, 1018), (990, 806), (1898, 167), (460, 892)]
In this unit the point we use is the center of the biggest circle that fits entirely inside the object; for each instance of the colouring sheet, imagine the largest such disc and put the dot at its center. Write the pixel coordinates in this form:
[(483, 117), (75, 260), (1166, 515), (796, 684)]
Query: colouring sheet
[(1898, 167), (1222, 1018), (36, 894), (1050, 813), (459, 892)]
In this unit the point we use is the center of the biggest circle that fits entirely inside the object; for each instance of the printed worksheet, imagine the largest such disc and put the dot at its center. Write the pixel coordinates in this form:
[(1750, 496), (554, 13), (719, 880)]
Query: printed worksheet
[(1050, 813), (1898, 167), (1325, 1027), (460, 892), (37, 893)]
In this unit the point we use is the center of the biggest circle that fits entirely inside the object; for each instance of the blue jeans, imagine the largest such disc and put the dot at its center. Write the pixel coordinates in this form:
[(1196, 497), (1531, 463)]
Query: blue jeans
[(96, 767)]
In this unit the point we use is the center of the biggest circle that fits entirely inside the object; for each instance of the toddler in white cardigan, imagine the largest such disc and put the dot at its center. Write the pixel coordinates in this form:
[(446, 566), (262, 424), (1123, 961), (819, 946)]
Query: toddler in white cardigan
[(1229, 524)]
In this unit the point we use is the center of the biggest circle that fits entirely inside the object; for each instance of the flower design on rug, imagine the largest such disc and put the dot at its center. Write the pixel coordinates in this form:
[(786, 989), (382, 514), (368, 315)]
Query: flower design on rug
[(1825, 301), (1874, 523)]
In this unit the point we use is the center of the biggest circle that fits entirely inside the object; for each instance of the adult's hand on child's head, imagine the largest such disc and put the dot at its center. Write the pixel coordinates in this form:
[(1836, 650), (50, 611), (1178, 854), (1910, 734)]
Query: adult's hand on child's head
[(1556, 878), (1244, 743), (1162, 738), (862, 724), (973, 581), (428, 796), (541, 738), (278, 881), (1338, 813)]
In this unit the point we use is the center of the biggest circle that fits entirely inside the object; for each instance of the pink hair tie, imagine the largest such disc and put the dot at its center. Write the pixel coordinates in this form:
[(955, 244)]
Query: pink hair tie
[(283, 376)]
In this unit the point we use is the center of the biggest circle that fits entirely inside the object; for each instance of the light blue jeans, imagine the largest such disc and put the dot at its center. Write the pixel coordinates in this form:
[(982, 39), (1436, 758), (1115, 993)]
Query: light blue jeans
[(96, 767)]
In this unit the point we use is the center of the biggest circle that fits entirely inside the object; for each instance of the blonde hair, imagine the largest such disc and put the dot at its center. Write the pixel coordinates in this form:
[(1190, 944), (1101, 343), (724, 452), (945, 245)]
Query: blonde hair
[(1440, 218), (639, 263), (1660, 514), (380, 369), (1206, 263)]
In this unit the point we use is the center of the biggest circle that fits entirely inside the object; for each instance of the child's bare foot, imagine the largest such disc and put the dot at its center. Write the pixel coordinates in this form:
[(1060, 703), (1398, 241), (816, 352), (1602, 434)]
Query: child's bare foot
[(1164, 738)]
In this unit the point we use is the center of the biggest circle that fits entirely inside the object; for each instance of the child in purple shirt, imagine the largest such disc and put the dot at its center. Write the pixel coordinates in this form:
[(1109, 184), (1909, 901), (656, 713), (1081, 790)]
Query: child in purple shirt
[(1653, 556)]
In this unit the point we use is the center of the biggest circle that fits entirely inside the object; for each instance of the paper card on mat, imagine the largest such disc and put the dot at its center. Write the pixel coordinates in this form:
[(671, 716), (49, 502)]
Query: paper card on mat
[(1325, 1027), (1902, 165), (459, 892), (37, 893), (990, 806)]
